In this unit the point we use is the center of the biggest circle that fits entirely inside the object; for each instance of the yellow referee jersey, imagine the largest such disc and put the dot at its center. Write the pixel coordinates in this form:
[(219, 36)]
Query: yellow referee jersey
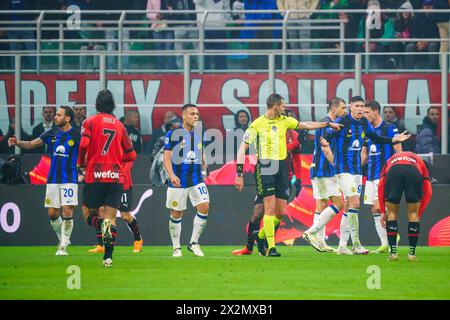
[(269, 136)]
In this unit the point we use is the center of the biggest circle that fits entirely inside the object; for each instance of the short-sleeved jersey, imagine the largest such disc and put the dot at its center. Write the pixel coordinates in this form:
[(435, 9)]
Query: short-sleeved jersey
[(187, 155), (62, 147), (320, 166), (378, 154), (108, 142), (349, 142), (269, 136), (127, 181)]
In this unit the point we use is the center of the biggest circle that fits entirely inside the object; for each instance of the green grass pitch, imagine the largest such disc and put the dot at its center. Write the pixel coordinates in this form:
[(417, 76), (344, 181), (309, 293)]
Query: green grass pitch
[(301, 273)]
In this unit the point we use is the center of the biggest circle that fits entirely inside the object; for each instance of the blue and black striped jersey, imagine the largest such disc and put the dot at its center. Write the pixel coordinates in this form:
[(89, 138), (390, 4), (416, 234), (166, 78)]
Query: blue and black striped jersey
[(378, 154), (349, 142), (320, 166), (187, 152), (63, 150)]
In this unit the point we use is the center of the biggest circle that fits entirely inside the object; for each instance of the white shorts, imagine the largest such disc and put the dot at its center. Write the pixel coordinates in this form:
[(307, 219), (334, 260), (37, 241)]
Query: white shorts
[(58, 195), (371, 192), (350, 184), (177, 197), (325, 187)]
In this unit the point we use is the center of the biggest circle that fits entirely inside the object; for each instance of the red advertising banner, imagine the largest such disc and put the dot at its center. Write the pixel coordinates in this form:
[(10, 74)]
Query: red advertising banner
[(220, 95)]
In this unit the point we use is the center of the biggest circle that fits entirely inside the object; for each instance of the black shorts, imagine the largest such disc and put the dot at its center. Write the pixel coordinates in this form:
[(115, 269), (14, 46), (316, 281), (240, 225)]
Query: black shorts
[(126, 200), (98, 194), (272, 178), (403, 178)]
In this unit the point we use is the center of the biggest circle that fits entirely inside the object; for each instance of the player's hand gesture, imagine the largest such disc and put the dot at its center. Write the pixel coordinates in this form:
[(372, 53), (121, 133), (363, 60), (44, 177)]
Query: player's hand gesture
[(12, 141), (335, 126), (239, 183), (324, 143), (175, 181), (401, 137)]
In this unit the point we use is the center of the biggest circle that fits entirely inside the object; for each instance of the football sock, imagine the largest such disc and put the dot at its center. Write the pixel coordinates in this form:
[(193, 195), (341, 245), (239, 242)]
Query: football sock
[(353, 223), (327, 214), (109, 247), (56, 225), (413, 236), (392, 231), (269, 229), (96, 222), (199, 225), (321, 232), (134, 227), (253, 228), (67, 227), (175, 231), (344, 230), (380, 230), (262, 232)]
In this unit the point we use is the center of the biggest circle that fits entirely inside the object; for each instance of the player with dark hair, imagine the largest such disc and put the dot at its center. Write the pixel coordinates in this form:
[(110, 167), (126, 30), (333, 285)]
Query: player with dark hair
[(404, 172), (62, 181), (323, 179), (185, 165), (347, 165), (104, 147), (268, 132), (376, 156)]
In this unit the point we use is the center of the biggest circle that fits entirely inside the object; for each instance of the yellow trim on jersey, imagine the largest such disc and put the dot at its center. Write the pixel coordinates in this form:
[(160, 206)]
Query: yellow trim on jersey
[(270, 136)]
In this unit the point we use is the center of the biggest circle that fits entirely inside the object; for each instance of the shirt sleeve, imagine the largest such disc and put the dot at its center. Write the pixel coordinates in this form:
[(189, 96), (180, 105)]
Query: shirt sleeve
[(168, 144), (291, 123), (45, 136), (250, 134), (329, 133)]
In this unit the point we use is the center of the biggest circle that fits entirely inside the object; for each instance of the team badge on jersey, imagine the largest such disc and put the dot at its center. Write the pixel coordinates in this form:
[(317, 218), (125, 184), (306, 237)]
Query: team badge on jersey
[(71, 143)]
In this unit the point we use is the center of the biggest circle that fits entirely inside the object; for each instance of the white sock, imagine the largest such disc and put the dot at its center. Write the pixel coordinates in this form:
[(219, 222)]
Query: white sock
[(199, 226), (67, 227), (175, 231), (380, 230), (353, 223), (56, 225), (321, 233), (327, 214), (344, 230)]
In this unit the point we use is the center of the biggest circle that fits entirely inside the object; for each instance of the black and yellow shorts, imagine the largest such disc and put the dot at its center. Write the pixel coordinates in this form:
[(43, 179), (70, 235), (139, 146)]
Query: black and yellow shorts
[(272, 178)]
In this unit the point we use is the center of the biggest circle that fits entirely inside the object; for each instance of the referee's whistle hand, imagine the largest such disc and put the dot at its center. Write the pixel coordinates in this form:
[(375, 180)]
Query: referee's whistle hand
[(239, 183)]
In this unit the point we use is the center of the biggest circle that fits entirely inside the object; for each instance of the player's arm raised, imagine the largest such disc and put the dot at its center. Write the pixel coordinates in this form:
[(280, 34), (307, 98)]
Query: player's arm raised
[(311, 125), (27, 145)]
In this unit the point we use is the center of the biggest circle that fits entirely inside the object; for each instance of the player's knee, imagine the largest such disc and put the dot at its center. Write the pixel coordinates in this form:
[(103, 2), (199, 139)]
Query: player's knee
[(176, 214), (53, 213), (67, 211), (126, 216), (203, 208), (338, 203)]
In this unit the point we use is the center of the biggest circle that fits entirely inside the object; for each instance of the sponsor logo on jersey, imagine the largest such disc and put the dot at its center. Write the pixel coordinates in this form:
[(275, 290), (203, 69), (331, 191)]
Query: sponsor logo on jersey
[(106, 175), (60, 152), (60, 149), (356, 146), (405, 158), (373, 149)]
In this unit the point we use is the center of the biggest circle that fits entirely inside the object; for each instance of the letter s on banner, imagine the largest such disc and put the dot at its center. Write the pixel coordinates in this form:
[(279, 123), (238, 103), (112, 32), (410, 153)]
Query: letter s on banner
[(4, 217)]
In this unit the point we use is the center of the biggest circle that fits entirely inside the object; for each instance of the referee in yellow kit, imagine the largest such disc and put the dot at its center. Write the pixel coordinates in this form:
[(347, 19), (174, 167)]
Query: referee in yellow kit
[(268, 133)]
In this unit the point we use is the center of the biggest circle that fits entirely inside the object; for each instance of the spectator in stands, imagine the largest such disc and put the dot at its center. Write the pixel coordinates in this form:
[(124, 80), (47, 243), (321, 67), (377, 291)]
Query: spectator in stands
[(48, 117), (159, 144), (161, 33), (427, 139), (131, 122), (16, 36), (160, 132), (423, 27), (300, 24), (241, 122), (184, 33), (3, 143), (390, 116), (442, 20), (260, 62), (402, 26), (215, 22), (79, 113)]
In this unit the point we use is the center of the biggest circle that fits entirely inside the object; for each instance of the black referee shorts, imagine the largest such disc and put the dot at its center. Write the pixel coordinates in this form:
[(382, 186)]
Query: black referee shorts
[(272, 178), (98, 194), (403, 178)]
